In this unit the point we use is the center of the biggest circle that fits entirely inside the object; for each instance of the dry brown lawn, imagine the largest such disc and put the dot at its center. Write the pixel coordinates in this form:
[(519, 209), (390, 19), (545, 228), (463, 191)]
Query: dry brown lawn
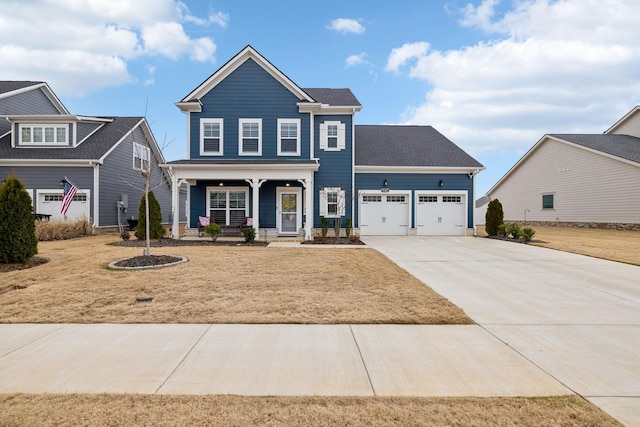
[(138, 410), (264, 285), (219, 284), (614, 245)]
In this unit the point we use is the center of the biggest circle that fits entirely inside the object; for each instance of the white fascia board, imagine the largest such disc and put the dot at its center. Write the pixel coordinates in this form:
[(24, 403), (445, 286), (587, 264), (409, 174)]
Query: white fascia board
[(190, 107), (245, 54), (43, 118), (415, 169), (326, 109), (49, 162), (235, 174)]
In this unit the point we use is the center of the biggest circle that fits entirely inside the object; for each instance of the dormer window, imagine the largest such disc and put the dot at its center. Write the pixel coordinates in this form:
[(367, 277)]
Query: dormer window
[(44, 134)]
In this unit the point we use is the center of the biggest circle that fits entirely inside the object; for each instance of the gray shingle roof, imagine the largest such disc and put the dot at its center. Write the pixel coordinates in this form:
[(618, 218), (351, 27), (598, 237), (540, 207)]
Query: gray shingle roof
[(242, 162), (91, 149), (333, 97), (623, 146), (8, 86), (383, 145)]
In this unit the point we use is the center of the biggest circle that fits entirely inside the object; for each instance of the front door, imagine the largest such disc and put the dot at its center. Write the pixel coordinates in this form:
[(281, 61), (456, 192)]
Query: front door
[(289, 208)]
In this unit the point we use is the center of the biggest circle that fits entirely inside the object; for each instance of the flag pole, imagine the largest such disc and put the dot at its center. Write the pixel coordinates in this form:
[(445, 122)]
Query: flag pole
[(70, 182)]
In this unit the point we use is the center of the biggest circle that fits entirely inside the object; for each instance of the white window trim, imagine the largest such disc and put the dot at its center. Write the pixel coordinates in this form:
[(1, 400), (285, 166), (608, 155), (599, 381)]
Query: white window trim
[(227, 190), (280, 123), (324, 204), (211, 153), (142, 152), (324, 137), (240, 123), (43, 126)]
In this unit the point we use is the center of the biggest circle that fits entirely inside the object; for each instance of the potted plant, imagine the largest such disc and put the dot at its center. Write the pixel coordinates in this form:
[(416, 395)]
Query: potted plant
[(213, 230)]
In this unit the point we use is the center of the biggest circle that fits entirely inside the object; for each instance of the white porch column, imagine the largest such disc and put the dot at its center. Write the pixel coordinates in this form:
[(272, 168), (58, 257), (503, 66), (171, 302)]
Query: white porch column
[(308, 211), (255, 203), (175, 207)]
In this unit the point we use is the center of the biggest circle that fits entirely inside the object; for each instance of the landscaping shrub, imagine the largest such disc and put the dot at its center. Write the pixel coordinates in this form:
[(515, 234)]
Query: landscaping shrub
[(156, 229), (336, 226), (61, 229), (528, 233), (348, 228), (494, 217), (213, 230), (324, 222), (18, 241), (515, 230), (249, 234), (503, 231)]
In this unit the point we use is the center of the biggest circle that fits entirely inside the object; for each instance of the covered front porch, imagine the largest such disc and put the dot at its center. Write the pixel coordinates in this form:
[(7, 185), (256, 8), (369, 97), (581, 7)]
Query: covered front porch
[(274, 197)]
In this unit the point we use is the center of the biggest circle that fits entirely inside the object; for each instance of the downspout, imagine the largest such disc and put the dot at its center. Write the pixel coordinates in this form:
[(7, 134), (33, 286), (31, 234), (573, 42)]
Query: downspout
[(354, 222), (473, 206), (96, 192)]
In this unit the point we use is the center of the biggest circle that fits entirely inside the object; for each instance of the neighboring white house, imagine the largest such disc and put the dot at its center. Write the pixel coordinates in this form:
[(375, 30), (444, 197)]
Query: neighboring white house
[(576, 179)]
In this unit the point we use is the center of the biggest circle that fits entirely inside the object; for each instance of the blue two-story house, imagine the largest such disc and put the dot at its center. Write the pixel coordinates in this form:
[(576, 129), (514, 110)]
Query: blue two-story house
[(261, 147)]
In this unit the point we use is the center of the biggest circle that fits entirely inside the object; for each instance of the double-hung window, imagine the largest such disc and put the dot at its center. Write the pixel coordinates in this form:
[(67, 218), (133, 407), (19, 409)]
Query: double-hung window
[(44, 134), (228, 206), (332, 202), (211, 137), (141, 157), (250, 137), (332, 136), (288, 137)]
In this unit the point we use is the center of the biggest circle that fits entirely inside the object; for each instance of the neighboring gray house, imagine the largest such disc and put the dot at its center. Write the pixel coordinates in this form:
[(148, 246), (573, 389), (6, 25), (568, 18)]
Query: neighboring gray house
[(577, 179), (41, 143)]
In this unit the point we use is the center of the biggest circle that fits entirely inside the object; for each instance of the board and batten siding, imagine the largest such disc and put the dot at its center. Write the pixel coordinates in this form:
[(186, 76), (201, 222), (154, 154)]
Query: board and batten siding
[(249, 93), (117, 177), (587, 187)]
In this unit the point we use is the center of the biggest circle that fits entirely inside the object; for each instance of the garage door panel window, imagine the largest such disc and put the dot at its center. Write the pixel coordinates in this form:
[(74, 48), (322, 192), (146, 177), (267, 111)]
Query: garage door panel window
[(452, 199), (368, 198), (396, 199), (427, 199), (49, 198)]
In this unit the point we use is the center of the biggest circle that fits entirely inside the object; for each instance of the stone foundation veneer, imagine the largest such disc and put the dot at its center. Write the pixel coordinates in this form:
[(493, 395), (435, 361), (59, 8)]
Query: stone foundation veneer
[(603, 225)]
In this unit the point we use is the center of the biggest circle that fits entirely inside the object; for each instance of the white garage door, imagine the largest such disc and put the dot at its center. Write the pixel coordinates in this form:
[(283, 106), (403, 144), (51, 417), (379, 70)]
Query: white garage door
[(384, 214), (50, 203), (441, 214)]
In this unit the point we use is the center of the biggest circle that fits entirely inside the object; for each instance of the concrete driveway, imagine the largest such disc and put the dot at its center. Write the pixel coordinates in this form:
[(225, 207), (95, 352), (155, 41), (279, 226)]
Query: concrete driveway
[(575, 317)]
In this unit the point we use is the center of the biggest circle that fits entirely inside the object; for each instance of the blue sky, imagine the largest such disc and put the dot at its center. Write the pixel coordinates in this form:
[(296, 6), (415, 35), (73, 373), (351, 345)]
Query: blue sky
[(493, 76)]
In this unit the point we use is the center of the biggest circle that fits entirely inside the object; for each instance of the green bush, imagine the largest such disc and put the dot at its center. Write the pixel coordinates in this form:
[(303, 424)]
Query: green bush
[(18, 241), (348, 228), (156, 229), (337, 222), (515, 230), (528, 233), (249, 234), (213, 230), (324, 222), (503, 230), (494, 217)]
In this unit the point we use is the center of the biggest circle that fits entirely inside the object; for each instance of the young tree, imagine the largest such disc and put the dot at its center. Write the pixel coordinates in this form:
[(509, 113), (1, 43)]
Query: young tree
[(18, 241), (494, 217)]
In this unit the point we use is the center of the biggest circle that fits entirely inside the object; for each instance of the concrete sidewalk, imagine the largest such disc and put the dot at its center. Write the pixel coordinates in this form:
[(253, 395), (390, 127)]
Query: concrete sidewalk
[(575, 317), (266, 360)]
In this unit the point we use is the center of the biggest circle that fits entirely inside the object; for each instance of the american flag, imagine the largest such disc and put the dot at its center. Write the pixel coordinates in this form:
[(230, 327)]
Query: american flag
[(69, 192)]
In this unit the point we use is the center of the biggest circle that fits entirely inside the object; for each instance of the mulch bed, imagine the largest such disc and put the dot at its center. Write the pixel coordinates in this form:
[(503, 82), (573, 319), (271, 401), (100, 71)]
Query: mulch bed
[(33, 262), (147, 261), (333, 241), (137, 243)]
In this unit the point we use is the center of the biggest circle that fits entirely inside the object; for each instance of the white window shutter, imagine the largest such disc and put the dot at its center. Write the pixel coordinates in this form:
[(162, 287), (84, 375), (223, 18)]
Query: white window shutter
[(323, 137), (341, 136), (341, 203), (323, 203)]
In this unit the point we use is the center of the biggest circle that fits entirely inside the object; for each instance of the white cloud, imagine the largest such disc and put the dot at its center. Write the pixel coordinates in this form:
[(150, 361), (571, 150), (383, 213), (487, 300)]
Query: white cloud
[(562, 66), (94, 40), (219, 18), (344, 25), (401, 55), (355, 60)]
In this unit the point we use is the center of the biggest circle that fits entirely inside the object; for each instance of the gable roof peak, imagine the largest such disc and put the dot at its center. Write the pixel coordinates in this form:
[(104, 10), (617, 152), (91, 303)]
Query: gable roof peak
[(230, 66)]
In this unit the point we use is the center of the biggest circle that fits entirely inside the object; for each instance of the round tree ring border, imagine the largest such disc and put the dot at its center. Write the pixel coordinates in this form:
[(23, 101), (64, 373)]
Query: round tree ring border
[(112, 265)]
